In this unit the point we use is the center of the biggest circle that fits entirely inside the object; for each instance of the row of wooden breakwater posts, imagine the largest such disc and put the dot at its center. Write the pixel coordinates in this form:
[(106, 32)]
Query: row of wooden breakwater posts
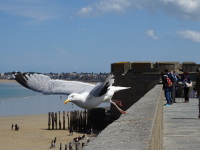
[(78, 121)]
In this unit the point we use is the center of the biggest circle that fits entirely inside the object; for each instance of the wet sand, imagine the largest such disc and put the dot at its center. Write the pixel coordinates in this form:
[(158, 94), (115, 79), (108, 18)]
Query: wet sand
[(32, 134), (4, 80)]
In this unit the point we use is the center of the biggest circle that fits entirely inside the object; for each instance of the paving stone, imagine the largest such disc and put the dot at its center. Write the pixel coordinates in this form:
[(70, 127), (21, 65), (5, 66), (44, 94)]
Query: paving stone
[(181, 126)]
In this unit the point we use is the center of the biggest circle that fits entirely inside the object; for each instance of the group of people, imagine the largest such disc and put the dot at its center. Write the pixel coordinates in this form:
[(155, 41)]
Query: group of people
[(170, 90), (169, 80), (15, 127), (77, 139)]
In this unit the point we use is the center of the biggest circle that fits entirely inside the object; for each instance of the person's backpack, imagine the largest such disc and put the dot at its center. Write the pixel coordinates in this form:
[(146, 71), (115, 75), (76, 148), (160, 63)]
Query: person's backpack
[(169, 82)]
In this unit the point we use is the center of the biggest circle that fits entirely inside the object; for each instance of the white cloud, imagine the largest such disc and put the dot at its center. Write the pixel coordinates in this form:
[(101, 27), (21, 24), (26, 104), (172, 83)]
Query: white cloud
[(187, 5), (191, 35), (43, 10), (37, 11), (85, 11), (187, 9), (105, 6), (151, 34)]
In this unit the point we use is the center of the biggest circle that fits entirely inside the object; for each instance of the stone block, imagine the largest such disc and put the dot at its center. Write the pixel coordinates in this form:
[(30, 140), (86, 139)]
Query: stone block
[(189, 66), (141, 66), (120, 67), (167, 65)]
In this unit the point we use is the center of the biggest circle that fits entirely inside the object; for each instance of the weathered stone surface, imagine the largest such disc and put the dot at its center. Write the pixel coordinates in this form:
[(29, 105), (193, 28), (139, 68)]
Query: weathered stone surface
[(135, 129), (189, 67)]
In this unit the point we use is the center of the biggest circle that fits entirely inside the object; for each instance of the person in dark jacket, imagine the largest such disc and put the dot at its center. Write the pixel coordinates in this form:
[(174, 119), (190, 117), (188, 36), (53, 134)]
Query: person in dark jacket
[(185, 79)]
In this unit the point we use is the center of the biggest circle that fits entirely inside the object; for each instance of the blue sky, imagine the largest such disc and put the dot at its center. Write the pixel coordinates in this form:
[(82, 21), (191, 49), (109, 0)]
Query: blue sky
[(89, 35)]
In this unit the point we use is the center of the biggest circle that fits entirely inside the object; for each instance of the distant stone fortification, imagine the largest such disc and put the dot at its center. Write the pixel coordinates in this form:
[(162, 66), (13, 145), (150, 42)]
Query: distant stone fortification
[(142, 77)]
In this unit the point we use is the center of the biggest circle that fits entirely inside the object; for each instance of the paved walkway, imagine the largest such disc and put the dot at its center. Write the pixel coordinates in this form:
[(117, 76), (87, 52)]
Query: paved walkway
[(181, 126)]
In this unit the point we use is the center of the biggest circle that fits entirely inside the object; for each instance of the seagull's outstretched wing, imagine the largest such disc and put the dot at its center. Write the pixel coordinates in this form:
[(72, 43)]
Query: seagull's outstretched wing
[(46, 85), (102, 87)]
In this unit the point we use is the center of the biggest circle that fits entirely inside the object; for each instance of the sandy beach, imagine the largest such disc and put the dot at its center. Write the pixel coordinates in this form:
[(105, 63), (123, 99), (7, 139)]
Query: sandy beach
[(5, 80), (32, 135), (33, 132)]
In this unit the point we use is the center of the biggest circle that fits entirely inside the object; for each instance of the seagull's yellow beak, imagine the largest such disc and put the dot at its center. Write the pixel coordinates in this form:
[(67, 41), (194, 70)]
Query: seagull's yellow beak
[(67, 101)]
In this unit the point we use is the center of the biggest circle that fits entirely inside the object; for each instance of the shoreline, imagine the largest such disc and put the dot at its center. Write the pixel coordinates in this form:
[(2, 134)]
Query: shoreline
[(33, 133), (6, 81)]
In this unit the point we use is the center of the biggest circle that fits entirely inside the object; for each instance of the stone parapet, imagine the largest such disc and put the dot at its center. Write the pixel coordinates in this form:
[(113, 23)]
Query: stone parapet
[(167, 65), (189, 67), (120, 67), (139, 67), (142, 66), (140, 129)]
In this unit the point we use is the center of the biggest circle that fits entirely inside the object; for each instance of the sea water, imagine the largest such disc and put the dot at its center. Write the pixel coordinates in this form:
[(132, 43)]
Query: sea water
[(17, 100)]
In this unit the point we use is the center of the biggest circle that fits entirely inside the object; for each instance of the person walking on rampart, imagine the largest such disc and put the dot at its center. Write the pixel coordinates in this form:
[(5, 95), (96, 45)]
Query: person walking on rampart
[(174, 78), (167, 86), (186, 79)]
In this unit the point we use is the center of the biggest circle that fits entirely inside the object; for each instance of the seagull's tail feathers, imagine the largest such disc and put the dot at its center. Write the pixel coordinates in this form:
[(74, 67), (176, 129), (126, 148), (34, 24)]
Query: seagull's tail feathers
[(118, 88)]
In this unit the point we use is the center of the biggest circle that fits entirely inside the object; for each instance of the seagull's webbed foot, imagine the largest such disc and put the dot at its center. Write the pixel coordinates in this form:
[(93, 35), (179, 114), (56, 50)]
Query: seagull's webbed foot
[(123, 112), (118, 103)]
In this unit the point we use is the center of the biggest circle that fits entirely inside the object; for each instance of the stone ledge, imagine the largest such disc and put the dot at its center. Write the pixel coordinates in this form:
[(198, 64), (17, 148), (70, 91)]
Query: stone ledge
[(140, 129)]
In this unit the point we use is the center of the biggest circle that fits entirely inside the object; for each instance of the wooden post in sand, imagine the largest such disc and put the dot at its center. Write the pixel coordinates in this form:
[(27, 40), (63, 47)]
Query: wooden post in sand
[(79, 121), (59, 121), (71, 120), (60, 146), (70, 146), (63, 120), (85, 119), (74, 120), (68, 121), (49, 120), (55, 119), (52, 117), (78, 146), (65, 146)]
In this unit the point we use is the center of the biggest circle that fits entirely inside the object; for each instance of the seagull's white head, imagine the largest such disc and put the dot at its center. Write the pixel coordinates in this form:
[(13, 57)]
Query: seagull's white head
[(71, 98), (76, 98)]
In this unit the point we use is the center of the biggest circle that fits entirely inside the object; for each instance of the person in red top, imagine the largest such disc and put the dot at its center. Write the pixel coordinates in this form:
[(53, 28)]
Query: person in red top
[(167, 89)]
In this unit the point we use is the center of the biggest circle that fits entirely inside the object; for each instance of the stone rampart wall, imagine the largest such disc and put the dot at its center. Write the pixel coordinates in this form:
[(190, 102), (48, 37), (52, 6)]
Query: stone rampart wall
[(139, 129), (142, 77), (139, 83)]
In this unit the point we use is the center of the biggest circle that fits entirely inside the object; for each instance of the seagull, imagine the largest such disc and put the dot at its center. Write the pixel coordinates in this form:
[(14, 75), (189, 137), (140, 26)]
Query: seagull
[(84, 95)]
